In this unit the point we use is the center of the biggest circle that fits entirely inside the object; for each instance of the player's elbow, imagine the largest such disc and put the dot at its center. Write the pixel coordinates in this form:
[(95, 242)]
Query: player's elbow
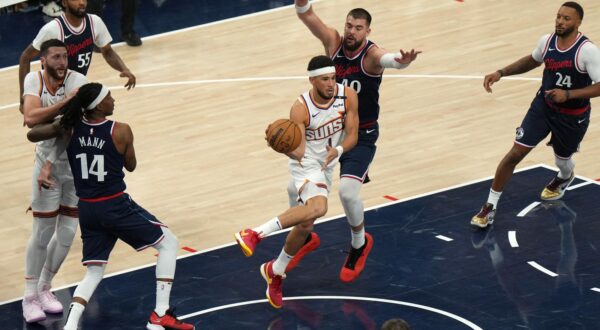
[(31, 136), (29, 122), (131, 165)]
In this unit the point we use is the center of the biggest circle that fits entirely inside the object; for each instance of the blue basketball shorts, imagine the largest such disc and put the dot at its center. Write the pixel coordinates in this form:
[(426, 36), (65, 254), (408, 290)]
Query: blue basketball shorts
[(103, 222), (355, 163)]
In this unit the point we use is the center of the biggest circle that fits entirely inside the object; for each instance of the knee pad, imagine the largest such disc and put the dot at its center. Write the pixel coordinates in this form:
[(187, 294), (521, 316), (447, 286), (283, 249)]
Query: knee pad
[(169, 241), (43, 230), (66, 229), (349, 190)]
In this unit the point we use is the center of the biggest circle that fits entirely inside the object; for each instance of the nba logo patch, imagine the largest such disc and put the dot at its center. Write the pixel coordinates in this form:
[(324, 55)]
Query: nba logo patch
[(520, 132), (92, 131)]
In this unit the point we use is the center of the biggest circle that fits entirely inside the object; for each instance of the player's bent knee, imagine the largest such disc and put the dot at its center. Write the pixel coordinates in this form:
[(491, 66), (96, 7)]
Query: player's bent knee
[(65, 232), (169, 241), (45, 230)]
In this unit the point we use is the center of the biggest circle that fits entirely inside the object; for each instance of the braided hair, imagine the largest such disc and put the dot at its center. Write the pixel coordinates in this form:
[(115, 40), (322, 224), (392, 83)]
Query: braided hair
[(74, 110)]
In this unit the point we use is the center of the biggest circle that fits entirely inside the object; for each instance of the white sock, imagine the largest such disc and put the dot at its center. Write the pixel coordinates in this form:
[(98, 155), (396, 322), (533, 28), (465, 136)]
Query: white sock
[(75, 311), (358, 238), (281, 263), (268, 227), (494, 197), (566, 167), (31, 287), (163, 293)]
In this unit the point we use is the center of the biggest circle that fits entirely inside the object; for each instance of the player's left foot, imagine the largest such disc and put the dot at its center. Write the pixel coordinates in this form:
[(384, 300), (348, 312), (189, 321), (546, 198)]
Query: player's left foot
[(167, 322), (556, 188), (274, 283), (49, 302), (247, 239), (355, 262)]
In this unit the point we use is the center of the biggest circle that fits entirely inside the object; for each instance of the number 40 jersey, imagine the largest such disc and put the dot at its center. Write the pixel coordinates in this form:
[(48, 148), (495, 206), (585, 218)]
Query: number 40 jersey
[(96, 163)]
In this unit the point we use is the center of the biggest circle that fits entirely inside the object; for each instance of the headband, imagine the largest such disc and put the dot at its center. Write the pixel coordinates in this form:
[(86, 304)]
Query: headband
[(103, 92), (320, 71)]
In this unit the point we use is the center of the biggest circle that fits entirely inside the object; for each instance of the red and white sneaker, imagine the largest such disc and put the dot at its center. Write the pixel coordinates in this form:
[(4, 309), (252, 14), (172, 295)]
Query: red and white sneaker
[(32, 310), (247, 239), (308, 247), (355, 262), (167, 322), (274, 283), (49, 302)]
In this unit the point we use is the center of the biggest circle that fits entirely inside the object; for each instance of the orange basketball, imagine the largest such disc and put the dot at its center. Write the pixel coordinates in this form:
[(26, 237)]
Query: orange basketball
[(284, 136)]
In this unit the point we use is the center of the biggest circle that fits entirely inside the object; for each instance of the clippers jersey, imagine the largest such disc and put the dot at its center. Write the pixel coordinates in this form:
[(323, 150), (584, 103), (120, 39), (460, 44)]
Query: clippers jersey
[(80, 45), (35, 84), (325, 125), (350, 72), (562, 71), (96, 164)]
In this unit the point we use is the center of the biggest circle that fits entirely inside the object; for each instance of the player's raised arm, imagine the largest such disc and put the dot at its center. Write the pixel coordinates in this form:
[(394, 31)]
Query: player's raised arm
[(299, 115), (24, 67), (329, 36)]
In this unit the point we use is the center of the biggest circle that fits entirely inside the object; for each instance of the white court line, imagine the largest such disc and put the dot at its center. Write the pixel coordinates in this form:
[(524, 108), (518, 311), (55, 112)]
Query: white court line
[(527, 209), (387, 301), (595, 289), (512, 238), (541, 268), (444, 238), (579, 185), (286, 230)]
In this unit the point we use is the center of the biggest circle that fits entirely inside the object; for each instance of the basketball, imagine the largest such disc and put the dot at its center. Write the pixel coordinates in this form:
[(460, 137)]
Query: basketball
[(283, 135)]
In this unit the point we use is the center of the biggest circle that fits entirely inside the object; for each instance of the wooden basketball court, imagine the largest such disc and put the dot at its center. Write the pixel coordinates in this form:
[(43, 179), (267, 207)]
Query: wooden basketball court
[(205, 96)]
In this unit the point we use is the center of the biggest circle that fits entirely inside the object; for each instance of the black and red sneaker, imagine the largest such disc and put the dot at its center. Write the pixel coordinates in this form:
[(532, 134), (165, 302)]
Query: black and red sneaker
[(167, 322)]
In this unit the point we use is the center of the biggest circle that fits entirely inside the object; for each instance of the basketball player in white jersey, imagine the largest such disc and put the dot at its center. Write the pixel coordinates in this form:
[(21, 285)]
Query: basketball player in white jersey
[(328, 119), (80, 32), (55, 215)]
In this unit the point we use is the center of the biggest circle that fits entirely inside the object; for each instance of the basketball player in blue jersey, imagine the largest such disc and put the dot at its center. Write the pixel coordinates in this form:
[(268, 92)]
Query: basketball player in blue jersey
[(359, 64), (561, 105), (328, 120), (80, 32), (98, 150)]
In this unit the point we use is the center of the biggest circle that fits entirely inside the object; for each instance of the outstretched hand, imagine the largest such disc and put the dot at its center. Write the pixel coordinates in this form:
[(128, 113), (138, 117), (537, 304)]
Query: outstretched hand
[(130, 79), (407, 57)]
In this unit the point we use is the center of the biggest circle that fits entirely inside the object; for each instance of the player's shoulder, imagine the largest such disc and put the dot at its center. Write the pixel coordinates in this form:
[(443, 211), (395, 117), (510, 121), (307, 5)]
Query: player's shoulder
[(75, 79), (95, 18)]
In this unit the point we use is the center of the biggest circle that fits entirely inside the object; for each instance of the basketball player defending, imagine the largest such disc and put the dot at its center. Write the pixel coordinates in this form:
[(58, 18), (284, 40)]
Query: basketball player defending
[(98, 150), (80, 31), (54, 210), (561, 105), (328, 119), (359, 63)]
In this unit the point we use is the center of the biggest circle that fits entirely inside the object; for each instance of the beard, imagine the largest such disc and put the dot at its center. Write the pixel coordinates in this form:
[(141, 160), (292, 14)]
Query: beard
[(324, 95), (351, 46), (76, 12), (564, 32), (53, 72)]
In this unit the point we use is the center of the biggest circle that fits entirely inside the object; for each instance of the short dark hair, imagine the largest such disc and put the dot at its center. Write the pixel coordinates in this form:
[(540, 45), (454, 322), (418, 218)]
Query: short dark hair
[(360, 13), (51, 43), (318, 62), (395, 324), (576, 6)]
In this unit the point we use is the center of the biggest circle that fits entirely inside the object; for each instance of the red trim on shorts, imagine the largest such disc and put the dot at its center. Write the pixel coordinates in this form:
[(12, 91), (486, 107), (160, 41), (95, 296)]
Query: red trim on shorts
[(101, 199), (568, 111), (50, 214), (69, 211), (368, 124)]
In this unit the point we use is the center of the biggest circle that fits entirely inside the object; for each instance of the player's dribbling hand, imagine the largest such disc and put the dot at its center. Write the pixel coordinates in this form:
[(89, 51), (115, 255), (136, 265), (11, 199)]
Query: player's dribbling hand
[(332, 154), (490, 79), (556, 95), (44, 180), (130, 79), (407, 57)]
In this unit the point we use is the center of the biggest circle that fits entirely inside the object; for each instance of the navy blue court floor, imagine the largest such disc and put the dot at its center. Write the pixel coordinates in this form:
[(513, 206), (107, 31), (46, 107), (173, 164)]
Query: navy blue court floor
[(538, 267)]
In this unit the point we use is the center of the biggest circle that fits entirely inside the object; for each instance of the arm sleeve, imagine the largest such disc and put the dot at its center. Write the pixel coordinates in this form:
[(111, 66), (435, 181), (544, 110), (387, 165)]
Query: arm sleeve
[(589, 60), (101, 35), (32, 84), (538, 52), (47, 32)]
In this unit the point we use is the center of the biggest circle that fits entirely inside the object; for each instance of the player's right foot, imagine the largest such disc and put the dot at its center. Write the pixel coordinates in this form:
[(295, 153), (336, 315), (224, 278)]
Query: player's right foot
[(274, 283), (355, 263), (49, 302), (167, 322), (308, 247), (485, 216), (247, 239), (32, 310), (556, 188)]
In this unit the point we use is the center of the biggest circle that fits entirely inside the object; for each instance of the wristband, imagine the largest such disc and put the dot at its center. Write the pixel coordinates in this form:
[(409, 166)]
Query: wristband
[(501, 72), (303, 9), (340, 150)]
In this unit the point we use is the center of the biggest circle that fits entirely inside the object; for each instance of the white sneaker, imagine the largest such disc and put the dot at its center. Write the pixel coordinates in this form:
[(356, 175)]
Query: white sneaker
[(49, 302), (32, 310), (52, 9)]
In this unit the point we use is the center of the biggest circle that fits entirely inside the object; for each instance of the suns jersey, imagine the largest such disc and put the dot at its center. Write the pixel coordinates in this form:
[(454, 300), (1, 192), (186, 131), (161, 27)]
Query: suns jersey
[(96, 163), (351, 72), (35, 84), (325, 125)]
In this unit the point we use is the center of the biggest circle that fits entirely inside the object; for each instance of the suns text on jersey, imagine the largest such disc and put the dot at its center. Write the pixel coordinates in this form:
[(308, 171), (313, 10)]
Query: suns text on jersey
[(91, 142), (326, 130)]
